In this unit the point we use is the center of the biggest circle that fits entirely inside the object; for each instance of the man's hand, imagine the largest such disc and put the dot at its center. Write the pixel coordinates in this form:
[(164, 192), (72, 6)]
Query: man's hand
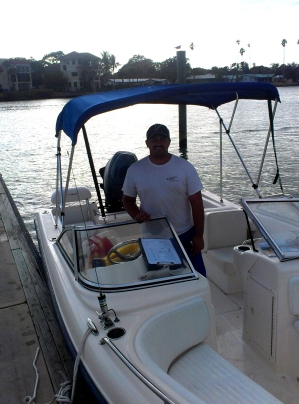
[(198, 244), (133, 210), (142, 217)]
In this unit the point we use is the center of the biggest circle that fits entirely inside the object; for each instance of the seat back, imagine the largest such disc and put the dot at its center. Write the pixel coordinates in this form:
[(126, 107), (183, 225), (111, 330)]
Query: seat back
[(170, 333), (73, 195), (224, 228)]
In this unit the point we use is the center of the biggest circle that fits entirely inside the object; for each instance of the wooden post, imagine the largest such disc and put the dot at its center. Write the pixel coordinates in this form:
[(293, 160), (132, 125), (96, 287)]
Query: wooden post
[(181, 79)]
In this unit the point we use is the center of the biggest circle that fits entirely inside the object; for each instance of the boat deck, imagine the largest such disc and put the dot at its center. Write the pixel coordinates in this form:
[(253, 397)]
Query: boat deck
[(229, 327)]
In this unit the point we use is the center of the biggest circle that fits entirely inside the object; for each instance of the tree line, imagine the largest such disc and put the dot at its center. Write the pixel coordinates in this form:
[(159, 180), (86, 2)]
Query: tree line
[(46, 74)]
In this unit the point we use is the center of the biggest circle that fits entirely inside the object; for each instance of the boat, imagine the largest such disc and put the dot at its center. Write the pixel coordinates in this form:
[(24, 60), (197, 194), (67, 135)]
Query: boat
[(146, 327)]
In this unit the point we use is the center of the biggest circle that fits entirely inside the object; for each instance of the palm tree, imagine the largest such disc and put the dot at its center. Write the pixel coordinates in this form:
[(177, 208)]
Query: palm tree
[(249, 56), (242, 51), (114, 65), (105, 65), (238, 43), (283, 43)]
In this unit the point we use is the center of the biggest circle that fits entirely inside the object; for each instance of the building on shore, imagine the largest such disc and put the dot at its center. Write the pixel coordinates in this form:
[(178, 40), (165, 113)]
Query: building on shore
[(121, 83), (241, 77), (15, 74), (82, 71)]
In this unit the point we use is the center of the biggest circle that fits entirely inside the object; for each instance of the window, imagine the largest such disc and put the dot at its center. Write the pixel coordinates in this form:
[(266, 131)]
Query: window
[(66, 243), (74, 62), (23, 69), (278, 221), (74, 74), (64, 67), (70, 84), (132, 266), (75, 84), (24, 77)]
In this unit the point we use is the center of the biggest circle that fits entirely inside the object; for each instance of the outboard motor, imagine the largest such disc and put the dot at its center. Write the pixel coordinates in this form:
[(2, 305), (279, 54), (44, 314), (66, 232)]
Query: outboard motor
[(113, 178)]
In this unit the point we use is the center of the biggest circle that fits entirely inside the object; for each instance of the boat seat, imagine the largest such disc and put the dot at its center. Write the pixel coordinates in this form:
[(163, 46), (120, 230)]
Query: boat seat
[(73, 195), (171, 346), (224, 229), (214, 380), (77, 212)]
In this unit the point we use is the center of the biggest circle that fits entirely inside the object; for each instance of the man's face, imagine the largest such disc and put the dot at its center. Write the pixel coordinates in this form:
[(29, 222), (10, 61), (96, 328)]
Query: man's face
[(158, 145)]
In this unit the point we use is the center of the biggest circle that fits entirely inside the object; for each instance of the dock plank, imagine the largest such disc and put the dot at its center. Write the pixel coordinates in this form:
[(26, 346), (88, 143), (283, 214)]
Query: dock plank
[(27, 317), (35, 290), (11, 292), (17, 350)]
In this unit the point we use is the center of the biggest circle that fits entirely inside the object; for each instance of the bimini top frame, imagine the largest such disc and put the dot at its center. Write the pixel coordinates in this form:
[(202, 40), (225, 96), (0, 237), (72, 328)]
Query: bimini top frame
[(211, 95)]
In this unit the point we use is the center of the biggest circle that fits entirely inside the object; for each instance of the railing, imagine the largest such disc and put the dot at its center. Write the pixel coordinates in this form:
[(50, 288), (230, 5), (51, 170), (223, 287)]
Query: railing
[(136, 371)]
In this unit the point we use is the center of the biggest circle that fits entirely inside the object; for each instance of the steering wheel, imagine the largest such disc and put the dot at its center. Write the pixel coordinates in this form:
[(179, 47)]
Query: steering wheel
[(125, 251)]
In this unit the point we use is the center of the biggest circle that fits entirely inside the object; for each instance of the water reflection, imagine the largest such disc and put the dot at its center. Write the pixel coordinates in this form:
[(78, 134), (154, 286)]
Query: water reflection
[(28, 145)]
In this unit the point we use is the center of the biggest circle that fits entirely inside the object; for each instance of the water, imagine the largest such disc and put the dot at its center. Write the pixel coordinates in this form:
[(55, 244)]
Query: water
[(28, 146)]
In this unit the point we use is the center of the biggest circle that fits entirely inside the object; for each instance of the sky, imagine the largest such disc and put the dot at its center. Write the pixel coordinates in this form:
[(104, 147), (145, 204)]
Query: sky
[(153, 29)]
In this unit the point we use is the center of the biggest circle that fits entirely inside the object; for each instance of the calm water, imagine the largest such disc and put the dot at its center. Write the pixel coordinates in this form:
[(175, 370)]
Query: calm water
[(28, 146)]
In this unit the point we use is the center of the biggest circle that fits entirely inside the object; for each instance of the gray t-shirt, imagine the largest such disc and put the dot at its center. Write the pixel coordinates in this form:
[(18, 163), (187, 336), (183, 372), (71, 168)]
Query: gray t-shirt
[(164, 189)]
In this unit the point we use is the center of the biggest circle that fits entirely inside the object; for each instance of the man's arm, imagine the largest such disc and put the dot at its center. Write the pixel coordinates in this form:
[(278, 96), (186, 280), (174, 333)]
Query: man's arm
[(131, 207), (198, 219)]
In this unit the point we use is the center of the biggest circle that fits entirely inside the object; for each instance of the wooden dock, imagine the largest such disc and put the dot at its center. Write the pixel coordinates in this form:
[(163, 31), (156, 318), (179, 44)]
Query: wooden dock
[(27, 319)]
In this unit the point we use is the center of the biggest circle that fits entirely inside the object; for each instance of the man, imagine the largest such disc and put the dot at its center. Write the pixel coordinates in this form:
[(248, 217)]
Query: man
[(169, 186)]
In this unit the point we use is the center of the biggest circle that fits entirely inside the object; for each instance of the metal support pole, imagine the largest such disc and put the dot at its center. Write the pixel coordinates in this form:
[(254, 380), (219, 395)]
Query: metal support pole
[(93, 171), (181, 79)]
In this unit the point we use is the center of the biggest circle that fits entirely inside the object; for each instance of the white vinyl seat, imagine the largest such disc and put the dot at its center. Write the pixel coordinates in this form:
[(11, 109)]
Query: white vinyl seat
[(171, 345)]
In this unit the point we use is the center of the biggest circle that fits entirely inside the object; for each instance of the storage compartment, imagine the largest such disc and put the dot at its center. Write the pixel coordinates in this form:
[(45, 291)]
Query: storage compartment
[(260, 317)]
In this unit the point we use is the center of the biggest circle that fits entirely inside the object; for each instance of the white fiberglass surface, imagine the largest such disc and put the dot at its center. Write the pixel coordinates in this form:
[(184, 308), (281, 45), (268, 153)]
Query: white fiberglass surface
[(128, 254)]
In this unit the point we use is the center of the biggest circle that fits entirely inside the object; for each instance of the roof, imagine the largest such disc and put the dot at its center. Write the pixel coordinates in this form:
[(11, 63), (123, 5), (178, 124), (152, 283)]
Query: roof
[(80, 109), (258, 75), (202, 76), (136, 80), (77, 55)]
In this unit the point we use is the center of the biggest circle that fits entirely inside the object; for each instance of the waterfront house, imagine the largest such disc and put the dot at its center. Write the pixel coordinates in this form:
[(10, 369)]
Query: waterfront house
[(81, 70), (15, 74)]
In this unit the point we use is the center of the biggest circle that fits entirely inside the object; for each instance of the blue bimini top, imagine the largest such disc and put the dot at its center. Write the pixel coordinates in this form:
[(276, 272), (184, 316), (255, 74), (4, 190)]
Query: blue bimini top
[(211, 95)]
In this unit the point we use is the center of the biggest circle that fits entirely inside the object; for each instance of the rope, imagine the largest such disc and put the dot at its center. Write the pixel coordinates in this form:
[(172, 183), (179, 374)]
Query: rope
[(29, 399), (159, 273), (88, 331), (63, 394)]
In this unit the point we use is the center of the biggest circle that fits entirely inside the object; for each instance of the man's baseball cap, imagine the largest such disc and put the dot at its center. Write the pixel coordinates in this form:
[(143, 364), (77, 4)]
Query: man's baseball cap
[(157, 129)]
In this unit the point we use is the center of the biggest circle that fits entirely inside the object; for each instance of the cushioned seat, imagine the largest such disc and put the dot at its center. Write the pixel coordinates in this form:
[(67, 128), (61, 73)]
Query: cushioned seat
[(171, 346), (214, 380)]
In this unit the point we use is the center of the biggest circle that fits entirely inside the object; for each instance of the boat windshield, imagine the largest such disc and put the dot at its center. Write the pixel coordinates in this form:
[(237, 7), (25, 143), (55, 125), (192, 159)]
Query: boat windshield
[(128, 255), (278, 222)]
